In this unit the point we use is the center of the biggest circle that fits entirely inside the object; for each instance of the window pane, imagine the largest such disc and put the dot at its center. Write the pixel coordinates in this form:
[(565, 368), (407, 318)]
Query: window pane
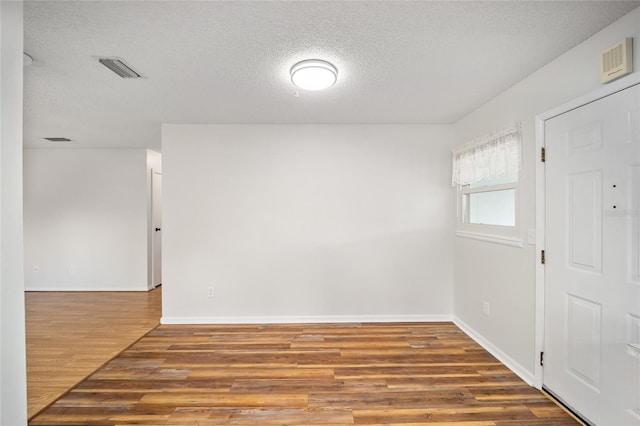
[(491, 207)]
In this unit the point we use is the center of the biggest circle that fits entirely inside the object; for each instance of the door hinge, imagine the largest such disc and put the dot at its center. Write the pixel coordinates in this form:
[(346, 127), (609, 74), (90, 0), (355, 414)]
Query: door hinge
[(543, 155), (542, 259), (542, 358)]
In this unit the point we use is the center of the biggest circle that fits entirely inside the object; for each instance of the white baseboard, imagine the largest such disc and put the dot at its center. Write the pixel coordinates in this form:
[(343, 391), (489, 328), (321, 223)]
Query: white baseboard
[(84, 289), (519, 370), (306, 319)]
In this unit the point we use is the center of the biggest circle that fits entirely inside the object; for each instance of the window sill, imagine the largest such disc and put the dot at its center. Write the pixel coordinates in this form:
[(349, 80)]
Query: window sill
[(490, 238)]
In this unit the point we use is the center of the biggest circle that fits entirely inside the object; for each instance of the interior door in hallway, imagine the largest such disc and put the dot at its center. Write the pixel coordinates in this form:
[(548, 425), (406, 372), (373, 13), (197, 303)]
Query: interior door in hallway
[(592, 280), (156, 212)]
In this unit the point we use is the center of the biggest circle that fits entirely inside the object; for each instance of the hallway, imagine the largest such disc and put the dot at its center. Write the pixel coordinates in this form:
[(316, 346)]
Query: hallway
[(71, 334)]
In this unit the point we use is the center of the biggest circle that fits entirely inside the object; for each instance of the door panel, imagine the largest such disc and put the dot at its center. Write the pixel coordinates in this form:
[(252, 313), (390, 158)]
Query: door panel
[(633, 382), (583, 139), (583, 340), (585, 221), (633, 361), (592, 269), (633, 117), (634, 225)]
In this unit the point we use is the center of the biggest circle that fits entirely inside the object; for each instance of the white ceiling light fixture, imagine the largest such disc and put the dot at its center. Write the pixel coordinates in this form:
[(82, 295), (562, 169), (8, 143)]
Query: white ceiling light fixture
[(314, 74)]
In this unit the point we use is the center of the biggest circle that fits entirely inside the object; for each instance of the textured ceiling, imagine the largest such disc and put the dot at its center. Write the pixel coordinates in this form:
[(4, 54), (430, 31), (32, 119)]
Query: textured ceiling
[(228, 62)]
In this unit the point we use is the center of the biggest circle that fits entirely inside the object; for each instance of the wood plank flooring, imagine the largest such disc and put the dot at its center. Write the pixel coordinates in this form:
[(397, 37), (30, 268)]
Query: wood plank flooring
[(314, 374), (71, 334)]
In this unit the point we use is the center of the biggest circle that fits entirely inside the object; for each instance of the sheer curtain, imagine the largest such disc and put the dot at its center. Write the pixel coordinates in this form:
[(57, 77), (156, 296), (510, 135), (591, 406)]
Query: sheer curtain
[(492, 158)]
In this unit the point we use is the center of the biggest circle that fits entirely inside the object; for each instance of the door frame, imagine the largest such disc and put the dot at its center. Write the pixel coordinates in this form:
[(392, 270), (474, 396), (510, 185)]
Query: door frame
[(599, 93)]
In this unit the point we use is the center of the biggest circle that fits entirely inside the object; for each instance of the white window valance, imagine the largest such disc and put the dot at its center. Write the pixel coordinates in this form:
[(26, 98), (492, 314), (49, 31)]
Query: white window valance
[(490, 157)]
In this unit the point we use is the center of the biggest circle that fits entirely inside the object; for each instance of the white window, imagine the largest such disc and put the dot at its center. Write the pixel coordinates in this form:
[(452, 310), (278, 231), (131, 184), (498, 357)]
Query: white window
[(486, 172)]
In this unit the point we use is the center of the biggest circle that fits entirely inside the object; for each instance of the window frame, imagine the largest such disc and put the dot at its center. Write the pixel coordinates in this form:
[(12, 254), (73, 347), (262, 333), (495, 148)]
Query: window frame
[(483, 168)]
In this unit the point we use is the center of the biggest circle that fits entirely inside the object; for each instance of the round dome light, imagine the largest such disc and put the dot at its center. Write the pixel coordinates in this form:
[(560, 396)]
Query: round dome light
[(314, 74)]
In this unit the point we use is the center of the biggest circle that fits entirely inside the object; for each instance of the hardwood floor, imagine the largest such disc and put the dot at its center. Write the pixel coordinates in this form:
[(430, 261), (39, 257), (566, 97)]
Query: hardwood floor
[(71, 334), (422, 373)]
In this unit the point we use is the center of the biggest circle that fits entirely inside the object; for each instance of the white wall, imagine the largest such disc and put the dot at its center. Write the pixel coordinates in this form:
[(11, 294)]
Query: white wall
[(296, 223), (505, 276), (85, 215), (13, 376)]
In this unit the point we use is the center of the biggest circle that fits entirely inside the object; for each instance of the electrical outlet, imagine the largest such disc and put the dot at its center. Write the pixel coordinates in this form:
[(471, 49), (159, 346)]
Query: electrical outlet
[(485, 308), (531, 236), (210, 292)]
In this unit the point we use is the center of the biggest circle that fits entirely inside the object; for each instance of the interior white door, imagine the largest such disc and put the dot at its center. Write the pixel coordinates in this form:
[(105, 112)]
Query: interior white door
[(592, 280), (156, 212)]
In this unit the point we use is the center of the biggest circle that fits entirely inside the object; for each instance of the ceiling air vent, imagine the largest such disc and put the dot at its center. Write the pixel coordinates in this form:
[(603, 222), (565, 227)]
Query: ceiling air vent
[(119, 67), (58, 139)]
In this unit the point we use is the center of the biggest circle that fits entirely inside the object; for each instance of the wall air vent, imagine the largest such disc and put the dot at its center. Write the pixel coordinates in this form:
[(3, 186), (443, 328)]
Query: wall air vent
[(58, 139), (119, 67), (616, 61)]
